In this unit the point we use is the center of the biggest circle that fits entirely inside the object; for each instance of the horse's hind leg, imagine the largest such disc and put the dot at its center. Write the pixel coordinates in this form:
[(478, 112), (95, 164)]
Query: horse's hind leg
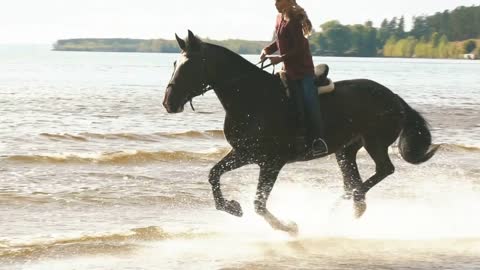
[(347, 160), (230, 162), (384, 167), (268, 176)]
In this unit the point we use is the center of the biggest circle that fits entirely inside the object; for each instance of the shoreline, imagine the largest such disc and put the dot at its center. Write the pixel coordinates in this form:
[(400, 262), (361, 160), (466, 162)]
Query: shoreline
[(339, 56)]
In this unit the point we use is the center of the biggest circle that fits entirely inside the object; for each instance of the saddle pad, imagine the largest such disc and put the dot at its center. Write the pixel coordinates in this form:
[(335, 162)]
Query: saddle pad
[(321, 89)]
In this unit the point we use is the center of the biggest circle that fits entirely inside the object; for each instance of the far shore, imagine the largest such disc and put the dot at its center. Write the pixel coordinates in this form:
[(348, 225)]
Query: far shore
[(257, 53)]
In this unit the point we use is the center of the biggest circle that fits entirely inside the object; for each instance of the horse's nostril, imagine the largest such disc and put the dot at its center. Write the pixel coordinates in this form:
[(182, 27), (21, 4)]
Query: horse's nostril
[(166, 98), (165, 105)]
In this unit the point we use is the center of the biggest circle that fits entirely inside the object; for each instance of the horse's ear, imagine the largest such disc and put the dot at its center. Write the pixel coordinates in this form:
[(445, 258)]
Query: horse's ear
[(181, 43), (194, 43), (191, 36)]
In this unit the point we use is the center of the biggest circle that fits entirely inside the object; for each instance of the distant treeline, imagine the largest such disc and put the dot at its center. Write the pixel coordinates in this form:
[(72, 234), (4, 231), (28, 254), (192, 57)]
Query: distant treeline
[(151, 45), (436, 36), (448, 34), (435, 47)]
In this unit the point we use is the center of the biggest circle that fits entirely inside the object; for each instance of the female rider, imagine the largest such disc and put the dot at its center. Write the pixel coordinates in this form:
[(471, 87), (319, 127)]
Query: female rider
[(292, 28)]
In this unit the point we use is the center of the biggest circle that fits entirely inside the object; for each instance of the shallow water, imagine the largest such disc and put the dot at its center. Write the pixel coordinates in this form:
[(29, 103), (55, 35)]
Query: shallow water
[(94, 174)]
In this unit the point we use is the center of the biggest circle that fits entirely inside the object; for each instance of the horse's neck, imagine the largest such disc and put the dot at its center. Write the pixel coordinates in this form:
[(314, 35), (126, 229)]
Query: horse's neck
[(245, 94)]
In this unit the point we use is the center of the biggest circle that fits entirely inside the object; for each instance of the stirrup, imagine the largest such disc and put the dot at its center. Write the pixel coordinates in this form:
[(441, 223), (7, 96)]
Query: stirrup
[(319, 147)]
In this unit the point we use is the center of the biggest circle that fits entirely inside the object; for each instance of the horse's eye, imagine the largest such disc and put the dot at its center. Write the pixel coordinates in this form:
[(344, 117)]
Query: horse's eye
[(175, 63)]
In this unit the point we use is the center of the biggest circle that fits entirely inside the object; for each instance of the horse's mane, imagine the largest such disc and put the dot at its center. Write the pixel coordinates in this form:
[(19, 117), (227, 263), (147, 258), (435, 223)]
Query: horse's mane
[(258, 79), (241, 61)]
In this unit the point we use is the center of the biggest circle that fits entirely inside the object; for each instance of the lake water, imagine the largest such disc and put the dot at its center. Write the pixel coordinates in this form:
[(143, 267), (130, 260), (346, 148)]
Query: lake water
[(94, 174)]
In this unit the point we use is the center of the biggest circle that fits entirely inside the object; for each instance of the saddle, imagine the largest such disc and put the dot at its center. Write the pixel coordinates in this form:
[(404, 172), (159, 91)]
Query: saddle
[(323, 83)]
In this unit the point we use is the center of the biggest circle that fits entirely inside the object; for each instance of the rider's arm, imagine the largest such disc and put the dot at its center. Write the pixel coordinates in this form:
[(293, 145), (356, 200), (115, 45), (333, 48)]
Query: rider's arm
[(272, 48)]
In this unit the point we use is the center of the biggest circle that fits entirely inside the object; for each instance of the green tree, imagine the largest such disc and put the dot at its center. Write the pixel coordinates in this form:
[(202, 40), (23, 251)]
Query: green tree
[(401, 28), (383, 33), (388, 49), (392, 26), (370, 45), (469, 46), (420, 28), (321, 44), (338, 36), (443, 47), (435, 39)]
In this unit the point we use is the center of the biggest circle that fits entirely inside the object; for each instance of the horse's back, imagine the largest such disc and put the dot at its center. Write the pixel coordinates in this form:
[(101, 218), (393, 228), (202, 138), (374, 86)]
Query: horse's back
[(353, 95), (362, 88), (360, 106)]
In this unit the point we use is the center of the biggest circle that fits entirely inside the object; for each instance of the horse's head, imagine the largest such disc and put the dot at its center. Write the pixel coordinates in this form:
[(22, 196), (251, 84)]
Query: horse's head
[(189, 78)]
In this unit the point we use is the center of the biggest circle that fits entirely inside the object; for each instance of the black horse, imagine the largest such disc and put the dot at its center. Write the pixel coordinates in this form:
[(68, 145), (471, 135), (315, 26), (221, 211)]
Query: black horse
[(260, 128)]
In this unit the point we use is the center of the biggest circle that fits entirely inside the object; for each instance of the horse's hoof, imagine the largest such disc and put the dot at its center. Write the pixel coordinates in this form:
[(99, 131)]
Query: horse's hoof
[(347, 196), (358, 196), (292, 229), (233, 208), (360, 208)]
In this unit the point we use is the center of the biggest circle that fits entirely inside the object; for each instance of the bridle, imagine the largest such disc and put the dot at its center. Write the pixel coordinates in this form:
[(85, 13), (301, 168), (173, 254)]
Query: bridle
[(206, 86)]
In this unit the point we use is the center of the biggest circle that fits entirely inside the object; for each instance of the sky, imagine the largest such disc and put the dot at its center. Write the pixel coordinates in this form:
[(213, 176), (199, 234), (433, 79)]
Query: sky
[(45, 21)]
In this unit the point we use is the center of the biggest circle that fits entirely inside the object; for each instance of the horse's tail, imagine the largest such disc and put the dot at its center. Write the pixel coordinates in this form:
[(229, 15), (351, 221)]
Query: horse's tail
[(415, 142)]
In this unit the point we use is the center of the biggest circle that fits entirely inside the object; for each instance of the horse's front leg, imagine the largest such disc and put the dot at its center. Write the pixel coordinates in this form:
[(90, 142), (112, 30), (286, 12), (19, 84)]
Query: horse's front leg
[(230, 162), (268, 176)]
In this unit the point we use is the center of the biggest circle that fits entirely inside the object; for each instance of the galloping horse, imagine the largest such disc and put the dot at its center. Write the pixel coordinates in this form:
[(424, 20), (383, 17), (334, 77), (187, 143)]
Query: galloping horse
[(260, 128)]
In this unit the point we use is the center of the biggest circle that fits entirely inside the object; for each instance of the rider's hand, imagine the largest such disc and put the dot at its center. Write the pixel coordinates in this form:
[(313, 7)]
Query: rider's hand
[(275, 59), (263, 55)]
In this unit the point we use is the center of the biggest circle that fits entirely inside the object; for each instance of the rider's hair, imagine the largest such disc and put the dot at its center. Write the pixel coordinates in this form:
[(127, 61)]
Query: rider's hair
[(296, 12)]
